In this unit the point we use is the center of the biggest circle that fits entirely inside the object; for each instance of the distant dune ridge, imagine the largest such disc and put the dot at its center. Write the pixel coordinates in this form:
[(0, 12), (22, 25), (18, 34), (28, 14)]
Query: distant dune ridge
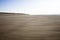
[(20, 26), (12, 13)]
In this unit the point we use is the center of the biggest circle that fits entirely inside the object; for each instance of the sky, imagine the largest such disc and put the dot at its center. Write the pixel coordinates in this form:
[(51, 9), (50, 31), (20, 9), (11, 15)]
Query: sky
[(32, 7)]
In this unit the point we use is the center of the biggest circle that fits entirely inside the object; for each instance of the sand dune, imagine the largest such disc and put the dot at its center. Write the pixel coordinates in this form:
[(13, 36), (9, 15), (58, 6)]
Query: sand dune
[(29, 27)]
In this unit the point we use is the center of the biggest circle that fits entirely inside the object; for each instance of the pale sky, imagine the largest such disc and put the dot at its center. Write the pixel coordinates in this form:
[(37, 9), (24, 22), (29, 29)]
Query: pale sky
[(33, 7)]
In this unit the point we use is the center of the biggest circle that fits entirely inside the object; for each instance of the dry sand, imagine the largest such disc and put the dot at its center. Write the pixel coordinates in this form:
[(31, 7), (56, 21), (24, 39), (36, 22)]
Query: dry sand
[(29, 27)]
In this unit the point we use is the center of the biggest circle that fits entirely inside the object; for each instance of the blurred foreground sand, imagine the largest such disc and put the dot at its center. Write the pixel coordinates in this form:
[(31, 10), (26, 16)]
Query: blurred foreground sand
[(29, 27)]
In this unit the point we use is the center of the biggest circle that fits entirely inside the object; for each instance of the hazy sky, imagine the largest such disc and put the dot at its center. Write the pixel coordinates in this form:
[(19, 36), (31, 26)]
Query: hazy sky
[(32, 7)]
